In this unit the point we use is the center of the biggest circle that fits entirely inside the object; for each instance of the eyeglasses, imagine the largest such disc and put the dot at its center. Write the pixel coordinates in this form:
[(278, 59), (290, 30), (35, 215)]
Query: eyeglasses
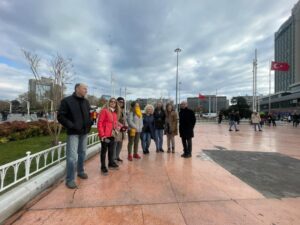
[(112, 101), (121, 102)]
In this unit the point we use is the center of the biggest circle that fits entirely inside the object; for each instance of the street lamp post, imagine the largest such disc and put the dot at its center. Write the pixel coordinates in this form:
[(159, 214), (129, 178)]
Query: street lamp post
[(28, 107), (179, 91), (10, 106), (177, 50), (125, 103), (51, 107), (216, 102), (254, 107)]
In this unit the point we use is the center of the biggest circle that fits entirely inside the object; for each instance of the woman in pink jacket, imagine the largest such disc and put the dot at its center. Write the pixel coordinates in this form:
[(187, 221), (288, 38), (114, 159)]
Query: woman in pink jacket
[(107, 127)]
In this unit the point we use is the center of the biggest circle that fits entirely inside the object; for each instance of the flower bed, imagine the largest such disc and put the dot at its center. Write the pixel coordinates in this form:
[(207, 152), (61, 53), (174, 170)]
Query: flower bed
[(18, 130)]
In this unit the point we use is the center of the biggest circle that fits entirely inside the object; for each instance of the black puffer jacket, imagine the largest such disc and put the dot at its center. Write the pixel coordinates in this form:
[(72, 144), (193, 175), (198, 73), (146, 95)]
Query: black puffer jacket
[(74, 115), (159, 118)]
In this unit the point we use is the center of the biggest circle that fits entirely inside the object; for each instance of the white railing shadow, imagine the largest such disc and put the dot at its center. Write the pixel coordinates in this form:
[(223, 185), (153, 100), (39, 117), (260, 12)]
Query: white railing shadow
[(23, 169)]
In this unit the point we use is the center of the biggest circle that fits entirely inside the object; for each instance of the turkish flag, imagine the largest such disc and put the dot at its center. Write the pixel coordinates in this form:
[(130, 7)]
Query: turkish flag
[(201, 97), (280, 66)]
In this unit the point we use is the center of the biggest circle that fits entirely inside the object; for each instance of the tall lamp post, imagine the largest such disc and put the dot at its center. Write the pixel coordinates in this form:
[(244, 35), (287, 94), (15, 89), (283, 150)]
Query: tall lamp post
[(254, 98), (125, 103), (10, 106), (177, 50), (28, 107), (179, 91), (51, 107)]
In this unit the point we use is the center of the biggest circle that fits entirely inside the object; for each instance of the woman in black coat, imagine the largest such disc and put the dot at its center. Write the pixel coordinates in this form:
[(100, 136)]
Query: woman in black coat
[(187, 121)]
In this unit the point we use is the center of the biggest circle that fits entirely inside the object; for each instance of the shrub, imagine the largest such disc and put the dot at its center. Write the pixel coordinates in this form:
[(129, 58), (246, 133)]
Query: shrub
[(17, 130)]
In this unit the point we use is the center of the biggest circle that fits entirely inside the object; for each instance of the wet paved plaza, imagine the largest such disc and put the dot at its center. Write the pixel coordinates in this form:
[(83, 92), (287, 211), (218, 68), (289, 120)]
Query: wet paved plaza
[(218, 185)]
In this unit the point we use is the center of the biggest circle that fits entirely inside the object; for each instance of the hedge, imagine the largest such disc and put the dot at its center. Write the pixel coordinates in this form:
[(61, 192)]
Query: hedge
[(18, 130)]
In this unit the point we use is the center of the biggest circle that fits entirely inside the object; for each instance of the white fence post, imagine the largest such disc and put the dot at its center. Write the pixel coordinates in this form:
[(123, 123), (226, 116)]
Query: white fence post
[(59, 151), (92, 137), (37, 157), (27, 165)]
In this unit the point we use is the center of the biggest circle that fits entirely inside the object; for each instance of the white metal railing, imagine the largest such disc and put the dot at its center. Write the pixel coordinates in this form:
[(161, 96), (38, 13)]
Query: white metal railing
[(22, 169)]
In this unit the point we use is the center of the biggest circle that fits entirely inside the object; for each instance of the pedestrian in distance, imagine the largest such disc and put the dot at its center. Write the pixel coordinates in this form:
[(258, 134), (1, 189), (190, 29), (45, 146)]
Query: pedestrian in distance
[(220, 117), (94, 116), (255, 119), (232, 121), (237, 117)]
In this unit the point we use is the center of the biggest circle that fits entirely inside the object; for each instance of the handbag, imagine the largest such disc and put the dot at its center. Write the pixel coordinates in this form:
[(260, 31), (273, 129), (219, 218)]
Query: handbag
[(115, 132)]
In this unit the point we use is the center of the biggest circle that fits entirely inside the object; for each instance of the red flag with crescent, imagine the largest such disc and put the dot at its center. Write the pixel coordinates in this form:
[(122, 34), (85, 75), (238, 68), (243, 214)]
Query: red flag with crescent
[(280, 66), (201, 97)]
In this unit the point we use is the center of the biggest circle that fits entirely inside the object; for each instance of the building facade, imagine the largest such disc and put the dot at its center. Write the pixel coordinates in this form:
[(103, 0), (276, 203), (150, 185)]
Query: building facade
[(287, 49), (285, 102), (40, 90), (153, 101), (208, 104)]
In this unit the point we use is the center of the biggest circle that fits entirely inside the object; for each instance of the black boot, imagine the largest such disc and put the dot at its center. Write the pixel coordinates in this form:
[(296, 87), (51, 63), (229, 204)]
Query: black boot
[(104, 170)]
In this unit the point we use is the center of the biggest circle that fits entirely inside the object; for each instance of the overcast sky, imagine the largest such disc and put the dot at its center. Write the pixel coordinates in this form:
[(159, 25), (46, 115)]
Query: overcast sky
[(135, 41)]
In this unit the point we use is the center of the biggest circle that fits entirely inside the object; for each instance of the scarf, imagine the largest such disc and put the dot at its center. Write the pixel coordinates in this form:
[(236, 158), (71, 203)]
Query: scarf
[(138, 112)]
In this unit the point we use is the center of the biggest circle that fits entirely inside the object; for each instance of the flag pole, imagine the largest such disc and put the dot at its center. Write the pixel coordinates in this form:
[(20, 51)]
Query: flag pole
[(216, 101), (270, 87), (254, 100)]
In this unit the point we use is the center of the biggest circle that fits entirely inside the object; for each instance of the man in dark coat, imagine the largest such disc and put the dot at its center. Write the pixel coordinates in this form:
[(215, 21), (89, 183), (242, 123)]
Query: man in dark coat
[(187, 121), (232, 121), (74, 115)]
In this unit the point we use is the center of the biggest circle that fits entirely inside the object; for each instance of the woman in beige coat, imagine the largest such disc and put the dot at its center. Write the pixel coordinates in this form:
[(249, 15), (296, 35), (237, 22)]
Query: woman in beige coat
[(171, 127), (255, 118)]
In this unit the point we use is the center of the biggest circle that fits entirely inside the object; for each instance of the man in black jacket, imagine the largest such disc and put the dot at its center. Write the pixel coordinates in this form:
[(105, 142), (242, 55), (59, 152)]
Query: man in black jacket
[(74, 115), (187, 121)]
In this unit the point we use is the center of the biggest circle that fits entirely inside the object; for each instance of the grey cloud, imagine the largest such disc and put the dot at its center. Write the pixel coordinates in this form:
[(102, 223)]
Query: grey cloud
[(135, 40)]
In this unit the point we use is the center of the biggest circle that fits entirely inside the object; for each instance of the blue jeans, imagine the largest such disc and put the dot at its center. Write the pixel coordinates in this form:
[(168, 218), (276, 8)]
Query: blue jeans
[(117, 149), (258, 125), (231, 124), (76, 148), (159, 134), (146, 140)]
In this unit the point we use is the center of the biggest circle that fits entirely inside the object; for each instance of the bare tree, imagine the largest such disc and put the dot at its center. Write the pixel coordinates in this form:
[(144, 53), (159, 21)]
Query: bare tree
[(60, 73)]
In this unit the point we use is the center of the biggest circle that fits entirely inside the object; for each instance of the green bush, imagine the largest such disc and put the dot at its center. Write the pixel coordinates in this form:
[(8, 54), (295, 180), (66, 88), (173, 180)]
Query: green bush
[(18, 130)]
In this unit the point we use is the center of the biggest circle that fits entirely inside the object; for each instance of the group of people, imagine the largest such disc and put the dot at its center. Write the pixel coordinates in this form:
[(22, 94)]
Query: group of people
[(256, 120), (114, 124), (154, 123)]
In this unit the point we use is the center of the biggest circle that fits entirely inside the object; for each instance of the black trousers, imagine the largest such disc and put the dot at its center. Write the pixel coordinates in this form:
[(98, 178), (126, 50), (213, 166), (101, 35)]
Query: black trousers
[(107, 147), (187, 145)]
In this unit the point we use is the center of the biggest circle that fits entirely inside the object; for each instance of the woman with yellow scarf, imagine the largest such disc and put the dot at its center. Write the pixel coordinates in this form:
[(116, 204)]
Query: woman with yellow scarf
[(135, 125)]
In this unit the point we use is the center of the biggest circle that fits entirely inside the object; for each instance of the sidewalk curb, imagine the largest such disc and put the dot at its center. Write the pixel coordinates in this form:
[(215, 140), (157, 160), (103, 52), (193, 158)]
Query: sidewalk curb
[(15, 199)]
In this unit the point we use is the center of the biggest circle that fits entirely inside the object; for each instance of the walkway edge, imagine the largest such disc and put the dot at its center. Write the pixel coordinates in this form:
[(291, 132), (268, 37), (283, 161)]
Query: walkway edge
[(14, 200)]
